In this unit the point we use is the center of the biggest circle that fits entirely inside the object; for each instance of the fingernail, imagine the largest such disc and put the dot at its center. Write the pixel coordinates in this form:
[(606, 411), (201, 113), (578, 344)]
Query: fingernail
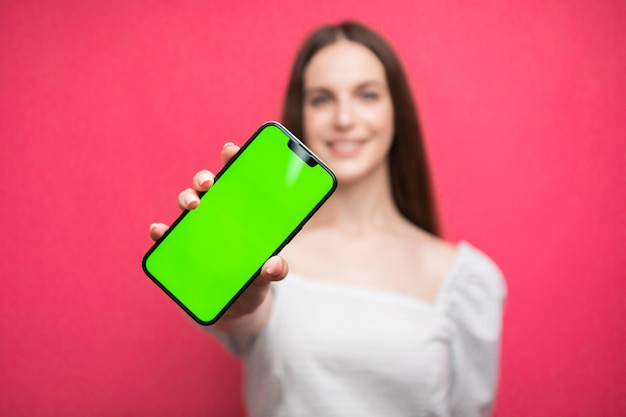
[(153, 226), (227, 144), (204, 180), (190, 199)]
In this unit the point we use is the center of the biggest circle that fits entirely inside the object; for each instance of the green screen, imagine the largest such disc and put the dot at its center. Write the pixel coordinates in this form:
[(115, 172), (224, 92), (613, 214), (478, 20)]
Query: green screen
[(258, 202)]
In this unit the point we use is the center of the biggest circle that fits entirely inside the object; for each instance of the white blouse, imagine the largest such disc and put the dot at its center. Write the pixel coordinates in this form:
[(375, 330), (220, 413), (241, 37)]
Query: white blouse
[(340, 350)]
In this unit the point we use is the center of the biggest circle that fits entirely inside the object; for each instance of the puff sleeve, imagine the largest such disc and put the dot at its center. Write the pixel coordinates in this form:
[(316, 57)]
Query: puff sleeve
[(474, 306)]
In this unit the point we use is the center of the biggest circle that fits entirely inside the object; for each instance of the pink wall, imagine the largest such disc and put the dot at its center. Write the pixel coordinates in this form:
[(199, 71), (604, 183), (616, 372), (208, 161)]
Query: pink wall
[(106, 110)]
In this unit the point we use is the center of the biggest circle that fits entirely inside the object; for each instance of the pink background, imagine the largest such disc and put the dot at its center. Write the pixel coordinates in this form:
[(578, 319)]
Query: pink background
[(108, 108)]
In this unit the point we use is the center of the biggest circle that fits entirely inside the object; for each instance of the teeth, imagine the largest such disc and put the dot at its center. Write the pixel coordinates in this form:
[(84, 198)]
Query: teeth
[(344, 146)]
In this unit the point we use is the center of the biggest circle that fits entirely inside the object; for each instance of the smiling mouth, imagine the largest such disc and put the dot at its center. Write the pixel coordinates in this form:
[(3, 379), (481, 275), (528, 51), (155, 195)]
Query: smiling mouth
[(345, 148)]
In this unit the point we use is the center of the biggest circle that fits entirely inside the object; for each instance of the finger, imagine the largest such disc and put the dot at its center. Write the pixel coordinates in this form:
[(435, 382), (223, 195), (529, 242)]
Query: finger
[(157, 230), (203, 180), (188, 199), (228, 151), (275, 269)]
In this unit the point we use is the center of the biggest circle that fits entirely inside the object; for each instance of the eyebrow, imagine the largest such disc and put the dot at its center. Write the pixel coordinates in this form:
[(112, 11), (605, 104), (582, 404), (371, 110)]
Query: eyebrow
[(372, 83), (364, 84)]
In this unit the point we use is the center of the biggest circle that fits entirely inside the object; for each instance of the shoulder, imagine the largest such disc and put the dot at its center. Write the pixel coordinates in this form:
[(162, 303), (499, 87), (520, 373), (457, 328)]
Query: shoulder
[(460, 265), (430, 253)]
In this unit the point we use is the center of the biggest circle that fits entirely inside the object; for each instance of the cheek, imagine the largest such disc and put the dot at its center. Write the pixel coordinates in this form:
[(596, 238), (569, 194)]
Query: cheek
[(313, 123), (381, 120)]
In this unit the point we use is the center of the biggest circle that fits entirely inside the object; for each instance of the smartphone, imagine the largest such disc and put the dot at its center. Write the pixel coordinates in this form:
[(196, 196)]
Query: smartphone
[(257, 204)]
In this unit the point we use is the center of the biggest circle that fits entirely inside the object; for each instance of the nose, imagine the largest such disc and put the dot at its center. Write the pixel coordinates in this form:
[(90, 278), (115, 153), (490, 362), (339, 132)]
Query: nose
[(344, 114)]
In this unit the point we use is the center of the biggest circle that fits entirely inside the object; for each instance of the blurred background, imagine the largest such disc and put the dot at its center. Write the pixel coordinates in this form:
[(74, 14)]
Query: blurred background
[(107, 109)]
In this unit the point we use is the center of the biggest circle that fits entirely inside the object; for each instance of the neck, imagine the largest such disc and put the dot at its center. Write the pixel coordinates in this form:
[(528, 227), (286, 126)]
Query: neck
[(360, 206)]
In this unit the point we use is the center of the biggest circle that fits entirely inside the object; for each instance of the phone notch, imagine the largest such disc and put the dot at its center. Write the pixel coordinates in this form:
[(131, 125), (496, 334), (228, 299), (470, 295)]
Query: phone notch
[(302, 152)]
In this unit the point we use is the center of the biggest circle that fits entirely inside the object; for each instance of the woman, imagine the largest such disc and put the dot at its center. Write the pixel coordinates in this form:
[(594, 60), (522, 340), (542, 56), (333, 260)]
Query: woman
[(378, 314)]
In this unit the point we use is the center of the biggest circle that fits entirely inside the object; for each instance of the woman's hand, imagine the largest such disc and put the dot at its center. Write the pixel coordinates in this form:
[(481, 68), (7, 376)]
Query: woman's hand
[(250, 312)]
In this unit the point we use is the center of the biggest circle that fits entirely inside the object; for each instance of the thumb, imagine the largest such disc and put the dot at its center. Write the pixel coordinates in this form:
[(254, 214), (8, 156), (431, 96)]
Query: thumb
[(275, 269)]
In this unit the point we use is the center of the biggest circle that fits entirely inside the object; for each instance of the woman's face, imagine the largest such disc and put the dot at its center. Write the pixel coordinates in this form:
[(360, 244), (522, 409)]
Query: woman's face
[(348, 112)]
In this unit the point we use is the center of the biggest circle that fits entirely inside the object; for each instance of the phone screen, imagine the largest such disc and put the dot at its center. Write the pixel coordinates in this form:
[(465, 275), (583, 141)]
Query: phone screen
[(258, 202)]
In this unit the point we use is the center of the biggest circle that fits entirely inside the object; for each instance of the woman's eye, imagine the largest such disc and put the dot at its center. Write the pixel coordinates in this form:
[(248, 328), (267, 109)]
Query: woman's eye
[(369, 95), (319, 100)]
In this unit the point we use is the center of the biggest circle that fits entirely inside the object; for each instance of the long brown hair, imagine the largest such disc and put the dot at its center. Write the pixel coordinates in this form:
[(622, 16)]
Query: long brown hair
[(408, 165)]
